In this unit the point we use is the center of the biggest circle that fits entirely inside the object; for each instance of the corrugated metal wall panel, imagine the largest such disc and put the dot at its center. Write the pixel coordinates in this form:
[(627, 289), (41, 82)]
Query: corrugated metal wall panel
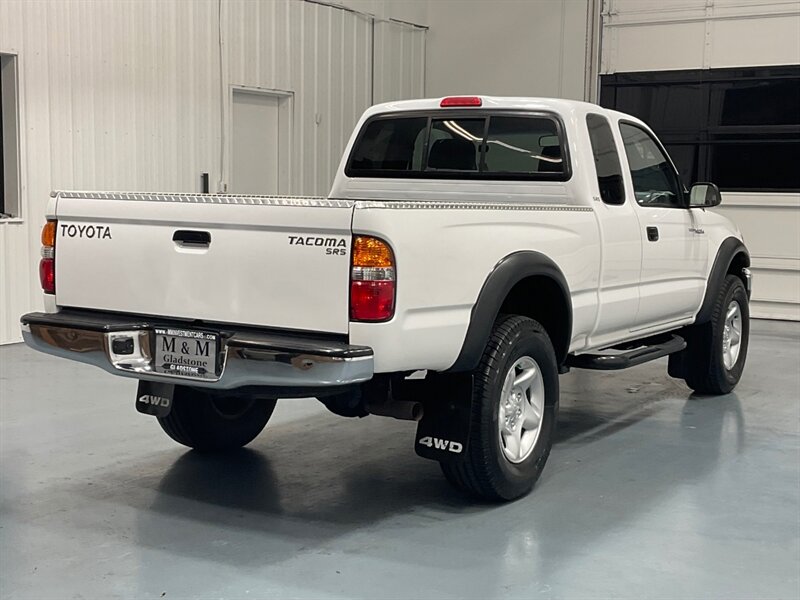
[(15, 280), (122, 96), (132, 96), (321, 55), (400, 46)]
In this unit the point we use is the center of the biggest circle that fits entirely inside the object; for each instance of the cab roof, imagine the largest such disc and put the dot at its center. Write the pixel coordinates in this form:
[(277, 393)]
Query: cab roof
[(558, 105), (487, 102)]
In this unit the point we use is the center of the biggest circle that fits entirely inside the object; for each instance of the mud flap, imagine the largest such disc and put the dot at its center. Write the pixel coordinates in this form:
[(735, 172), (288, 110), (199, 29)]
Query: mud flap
[(443, 431), (154, 398)]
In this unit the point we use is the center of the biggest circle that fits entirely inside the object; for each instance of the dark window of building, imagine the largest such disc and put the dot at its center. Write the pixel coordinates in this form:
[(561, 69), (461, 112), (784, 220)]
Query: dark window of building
[(755, 102), (2, 163), (739, 128), (9, 158), (606, 160), (747, 161)]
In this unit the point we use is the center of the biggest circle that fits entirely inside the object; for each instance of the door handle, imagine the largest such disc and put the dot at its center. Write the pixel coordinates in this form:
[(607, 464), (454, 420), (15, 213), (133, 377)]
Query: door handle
[(652, 234), (188, 237), (697, 230)]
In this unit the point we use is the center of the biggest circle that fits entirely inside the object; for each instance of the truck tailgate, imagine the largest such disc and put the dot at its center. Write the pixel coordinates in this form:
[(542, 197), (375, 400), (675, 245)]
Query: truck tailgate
[(256, 260)]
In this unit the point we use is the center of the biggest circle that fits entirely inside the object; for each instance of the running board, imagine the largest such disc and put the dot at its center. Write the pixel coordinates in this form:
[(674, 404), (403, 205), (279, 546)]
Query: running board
[(629, 354)]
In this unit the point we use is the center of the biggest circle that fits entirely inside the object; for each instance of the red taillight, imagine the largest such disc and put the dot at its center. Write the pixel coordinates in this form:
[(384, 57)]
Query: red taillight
[(461, 101), (47, 275), (372, 280), (371, 300), (47, 266)]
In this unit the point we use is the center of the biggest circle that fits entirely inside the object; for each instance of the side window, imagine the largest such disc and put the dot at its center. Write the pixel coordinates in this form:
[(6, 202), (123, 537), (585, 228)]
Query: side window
[(606, 160), (655, 182), (523, 145)]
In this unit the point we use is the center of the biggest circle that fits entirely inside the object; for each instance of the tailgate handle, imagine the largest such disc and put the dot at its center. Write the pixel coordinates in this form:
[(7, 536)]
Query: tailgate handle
[(187, 237)]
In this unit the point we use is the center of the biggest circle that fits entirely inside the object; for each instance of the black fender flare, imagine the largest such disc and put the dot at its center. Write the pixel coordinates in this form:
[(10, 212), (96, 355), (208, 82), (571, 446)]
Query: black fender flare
[(728, 250), (506, 274)]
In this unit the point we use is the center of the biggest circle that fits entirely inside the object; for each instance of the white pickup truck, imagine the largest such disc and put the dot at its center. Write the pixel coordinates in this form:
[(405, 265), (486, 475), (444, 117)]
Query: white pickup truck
[(471, 250)]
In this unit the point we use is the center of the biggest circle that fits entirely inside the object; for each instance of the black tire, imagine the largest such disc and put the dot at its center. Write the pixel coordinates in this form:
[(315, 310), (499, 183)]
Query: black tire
[(209, 422), (485, 471), (703, 366)]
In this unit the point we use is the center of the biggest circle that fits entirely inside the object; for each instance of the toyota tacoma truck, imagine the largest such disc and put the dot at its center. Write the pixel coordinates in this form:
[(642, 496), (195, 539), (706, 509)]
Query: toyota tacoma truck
[(471, 249)]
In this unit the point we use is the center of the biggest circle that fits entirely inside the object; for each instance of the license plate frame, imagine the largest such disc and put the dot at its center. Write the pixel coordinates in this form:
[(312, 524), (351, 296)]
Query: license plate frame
[(186, 353)]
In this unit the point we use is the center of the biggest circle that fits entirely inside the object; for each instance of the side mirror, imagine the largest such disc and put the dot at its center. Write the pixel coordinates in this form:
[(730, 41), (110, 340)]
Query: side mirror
[(704, 195)]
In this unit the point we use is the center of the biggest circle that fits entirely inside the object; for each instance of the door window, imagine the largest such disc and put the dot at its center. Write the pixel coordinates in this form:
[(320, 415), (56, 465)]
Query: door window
[(655, 182)]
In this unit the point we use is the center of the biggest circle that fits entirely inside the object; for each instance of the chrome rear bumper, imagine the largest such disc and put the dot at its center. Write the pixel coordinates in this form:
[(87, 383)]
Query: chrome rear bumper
[(247, 357)]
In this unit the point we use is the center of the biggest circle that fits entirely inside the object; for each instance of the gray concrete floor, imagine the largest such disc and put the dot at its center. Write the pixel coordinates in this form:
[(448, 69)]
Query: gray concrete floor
[(650, 492)]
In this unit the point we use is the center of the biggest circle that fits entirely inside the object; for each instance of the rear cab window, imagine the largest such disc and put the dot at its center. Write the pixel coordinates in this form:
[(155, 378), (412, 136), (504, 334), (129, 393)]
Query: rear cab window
[(461, 145)]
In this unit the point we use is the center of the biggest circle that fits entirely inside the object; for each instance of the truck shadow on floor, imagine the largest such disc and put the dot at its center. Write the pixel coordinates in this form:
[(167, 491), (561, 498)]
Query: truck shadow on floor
[(308, 485), (326, 467), (302, 487)]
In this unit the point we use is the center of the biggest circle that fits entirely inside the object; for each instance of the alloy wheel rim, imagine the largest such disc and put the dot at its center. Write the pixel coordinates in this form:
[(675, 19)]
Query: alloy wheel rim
[(521, 409), (732, 335)]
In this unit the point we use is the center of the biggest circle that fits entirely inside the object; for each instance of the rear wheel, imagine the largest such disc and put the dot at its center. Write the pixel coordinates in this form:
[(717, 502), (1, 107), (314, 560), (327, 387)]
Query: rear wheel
[(513, 413), (210, 422), (716, 351)]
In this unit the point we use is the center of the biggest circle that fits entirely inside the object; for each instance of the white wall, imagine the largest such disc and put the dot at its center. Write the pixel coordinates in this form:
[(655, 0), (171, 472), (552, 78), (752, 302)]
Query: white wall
[(507, 48), (395, 43), (653, 35), (770, 224), (660, 35), (136, 96), (408, 11)]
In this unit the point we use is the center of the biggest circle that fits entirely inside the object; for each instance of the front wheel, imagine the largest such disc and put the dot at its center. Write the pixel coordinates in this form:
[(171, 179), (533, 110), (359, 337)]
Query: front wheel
[(716, 351), (210, 422), (515, 399)]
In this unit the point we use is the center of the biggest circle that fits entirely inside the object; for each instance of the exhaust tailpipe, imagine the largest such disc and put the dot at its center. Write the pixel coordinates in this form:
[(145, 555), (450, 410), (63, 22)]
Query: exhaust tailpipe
[(404, 410)]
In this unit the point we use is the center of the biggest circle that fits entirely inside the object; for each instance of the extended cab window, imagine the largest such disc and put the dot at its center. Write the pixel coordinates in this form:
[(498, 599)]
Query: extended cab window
[(655, 182), (476, 146), (606, 160)]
